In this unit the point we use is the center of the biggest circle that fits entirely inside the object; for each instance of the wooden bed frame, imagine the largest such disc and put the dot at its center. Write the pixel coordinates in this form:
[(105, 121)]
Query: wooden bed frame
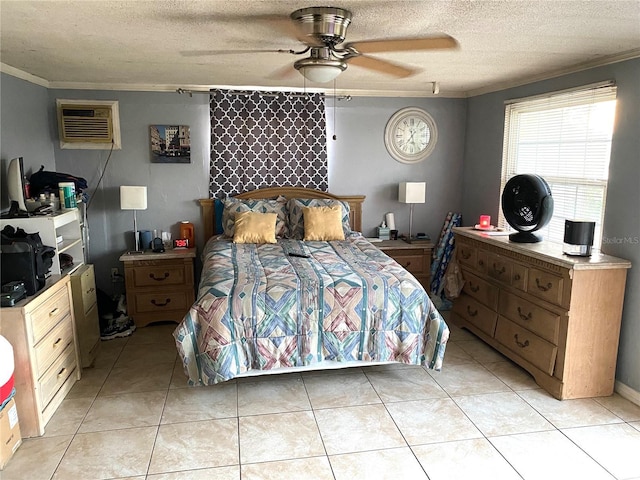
[(354, 201)]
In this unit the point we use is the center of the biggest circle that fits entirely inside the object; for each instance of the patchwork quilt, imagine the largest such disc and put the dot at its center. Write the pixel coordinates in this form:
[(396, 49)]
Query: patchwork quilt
[(297, 303)]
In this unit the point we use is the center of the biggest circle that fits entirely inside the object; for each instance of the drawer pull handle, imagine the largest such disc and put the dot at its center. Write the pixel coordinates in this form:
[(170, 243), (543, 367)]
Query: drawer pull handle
[(465, 255), (407, 264), (521, 344), (516, 277), (474, 288), (57, 342), (523, 316), (91, 290), (499, 272), (167, 302), (544, 288), (471, 313), (159, 279), (53, 312), (481, 263), (61, 372)]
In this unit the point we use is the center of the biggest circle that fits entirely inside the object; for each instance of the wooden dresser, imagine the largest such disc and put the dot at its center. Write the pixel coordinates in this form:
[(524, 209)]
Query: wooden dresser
[(557, 316), (160, 286), (85, 309), (415, 257), (41, 329)]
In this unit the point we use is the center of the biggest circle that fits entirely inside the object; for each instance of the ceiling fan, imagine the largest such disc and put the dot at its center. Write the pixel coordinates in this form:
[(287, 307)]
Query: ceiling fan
[(323, 29)]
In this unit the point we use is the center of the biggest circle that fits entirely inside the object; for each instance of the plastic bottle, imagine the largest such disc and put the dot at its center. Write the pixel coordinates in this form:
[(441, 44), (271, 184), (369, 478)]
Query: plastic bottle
[(55, 203), (187, 231)]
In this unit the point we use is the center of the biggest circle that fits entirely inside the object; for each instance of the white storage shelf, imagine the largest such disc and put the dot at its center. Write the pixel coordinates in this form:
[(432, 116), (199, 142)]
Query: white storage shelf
[(65, 224)]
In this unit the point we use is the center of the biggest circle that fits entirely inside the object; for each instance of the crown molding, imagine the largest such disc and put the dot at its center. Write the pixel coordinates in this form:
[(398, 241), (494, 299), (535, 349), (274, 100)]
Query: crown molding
[(16, 72), (578, 67)]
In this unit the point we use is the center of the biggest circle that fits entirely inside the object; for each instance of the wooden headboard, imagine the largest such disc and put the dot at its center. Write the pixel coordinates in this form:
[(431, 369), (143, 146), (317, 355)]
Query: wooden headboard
[(354, 201)]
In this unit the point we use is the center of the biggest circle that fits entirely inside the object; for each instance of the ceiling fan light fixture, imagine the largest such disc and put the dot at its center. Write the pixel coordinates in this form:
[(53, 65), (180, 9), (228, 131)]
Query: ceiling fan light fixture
[(320, 70)]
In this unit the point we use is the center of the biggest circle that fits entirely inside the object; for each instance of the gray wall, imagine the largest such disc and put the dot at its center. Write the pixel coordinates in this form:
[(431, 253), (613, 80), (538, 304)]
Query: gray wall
[(481, 184), (360, 164), (172, 189), (24, 128)]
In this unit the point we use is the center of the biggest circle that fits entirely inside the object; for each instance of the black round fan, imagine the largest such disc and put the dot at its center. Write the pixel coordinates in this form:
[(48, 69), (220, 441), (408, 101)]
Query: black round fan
[(527, 206)]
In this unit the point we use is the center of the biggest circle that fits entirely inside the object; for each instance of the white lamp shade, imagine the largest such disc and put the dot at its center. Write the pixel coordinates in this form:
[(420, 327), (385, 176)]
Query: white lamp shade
[(412, 192), (320, 73), (133, 198)]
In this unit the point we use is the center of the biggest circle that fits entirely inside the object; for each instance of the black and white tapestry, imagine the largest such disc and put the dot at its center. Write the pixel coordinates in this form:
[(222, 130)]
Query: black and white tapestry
[(266, 139)]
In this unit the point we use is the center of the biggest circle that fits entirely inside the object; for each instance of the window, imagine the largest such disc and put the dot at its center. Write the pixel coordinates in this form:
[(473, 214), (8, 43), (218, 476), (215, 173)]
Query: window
[(565, 137)]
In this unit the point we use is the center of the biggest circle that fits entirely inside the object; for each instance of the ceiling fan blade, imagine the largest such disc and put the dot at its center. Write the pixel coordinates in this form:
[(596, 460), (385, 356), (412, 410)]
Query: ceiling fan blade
[(404, 44), (382, 66)]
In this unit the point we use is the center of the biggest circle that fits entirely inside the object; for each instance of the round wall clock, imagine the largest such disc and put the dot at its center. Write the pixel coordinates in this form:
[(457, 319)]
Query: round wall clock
[(410, 135)]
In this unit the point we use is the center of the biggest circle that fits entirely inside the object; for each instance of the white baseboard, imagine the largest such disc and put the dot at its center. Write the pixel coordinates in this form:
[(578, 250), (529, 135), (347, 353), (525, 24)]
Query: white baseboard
[(627, 392)]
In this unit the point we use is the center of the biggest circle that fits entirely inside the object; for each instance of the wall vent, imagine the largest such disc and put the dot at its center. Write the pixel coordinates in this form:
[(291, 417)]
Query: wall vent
[(89, 124)]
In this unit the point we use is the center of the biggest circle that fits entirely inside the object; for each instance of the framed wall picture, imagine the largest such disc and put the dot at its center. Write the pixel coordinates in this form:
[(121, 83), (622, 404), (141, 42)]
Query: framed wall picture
[(170, 144)]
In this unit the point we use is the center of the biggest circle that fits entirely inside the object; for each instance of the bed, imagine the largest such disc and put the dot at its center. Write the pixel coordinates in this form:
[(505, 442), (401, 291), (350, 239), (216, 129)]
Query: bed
[(299, 304)]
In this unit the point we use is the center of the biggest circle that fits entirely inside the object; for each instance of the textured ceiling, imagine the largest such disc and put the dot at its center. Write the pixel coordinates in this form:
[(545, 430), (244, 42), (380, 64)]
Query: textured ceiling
[(150, 45)]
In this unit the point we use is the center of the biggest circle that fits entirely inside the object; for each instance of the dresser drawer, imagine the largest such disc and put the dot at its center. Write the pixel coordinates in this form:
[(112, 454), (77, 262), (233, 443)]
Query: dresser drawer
[(45, 316), (87, 287), (158, 301), (168, 273), (519, 277), (475, 313), (527, 345), (545, 285), (52, 345), (499, 268), (467, 254), (57, 374), (531, 316), (481, 290)]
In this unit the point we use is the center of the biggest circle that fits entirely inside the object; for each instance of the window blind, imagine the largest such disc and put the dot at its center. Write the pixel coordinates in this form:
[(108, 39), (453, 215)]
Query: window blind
[(565, 137)]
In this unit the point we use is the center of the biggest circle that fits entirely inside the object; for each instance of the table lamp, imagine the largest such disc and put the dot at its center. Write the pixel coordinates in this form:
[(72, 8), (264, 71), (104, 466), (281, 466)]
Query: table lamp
[(412, 193), (134, 198)]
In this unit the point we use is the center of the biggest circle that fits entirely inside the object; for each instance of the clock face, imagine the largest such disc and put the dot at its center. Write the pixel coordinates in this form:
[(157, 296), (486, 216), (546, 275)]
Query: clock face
[(410, 135)]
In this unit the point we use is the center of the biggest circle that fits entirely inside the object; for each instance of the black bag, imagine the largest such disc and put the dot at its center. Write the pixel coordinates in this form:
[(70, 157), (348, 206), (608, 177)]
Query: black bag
[(25, 258), (43, 181)]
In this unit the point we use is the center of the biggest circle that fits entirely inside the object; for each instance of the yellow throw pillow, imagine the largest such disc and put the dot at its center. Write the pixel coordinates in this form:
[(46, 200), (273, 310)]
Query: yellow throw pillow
[(254, 227), (323, 223)]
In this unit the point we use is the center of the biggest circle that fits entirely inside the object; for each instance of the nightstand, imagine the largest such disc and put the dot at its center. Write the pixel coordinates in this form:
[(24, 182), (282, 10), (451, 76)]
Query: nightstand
[(160, 286), (415, 257)]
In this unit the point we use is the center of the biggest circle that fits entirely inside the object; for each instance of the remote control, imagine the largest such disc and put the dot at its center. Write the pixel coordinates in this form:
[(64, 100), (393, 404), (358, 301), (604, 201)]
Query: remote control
[(300, 255)]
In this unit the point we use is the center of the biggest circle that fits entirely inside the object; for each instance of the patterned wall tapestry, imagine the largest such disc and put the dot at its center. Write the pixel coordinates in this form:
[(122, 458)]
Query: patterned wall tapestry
[(266, 139)]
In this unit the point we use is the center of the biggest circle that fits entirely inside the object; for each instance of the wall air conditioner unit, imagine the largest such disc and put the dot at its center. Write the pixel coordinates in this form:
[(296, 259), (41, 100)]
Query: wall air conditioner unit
[(89, 124)]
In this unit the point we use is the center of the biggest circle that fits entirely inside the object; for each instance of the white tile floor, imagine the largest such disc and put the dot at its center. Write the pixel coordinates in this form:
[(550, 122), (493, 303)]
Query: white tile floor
[(132, 416)]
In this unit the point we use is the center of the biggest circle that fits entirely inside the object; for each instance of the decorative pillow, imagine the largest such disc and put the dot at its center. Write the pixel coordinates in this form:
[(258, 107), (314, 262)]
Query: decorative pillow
[(234, 205), (323, 223), (254, 227), (296, 217)]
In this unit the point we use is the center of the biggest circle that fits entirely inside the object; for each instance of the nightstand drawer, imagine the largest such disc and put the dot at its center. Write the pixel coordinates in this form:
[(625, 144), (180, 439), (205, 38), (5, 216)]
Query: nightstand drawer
[(159, 301), (50, 313), (412, 263), (168, 273), (52, 345)]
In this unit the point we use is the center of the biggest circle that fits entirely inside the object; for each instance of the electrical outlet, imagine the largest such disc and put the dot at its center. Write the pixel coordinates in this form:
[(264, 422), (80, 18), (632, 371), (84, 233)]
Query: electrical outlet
[(114, 274)]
